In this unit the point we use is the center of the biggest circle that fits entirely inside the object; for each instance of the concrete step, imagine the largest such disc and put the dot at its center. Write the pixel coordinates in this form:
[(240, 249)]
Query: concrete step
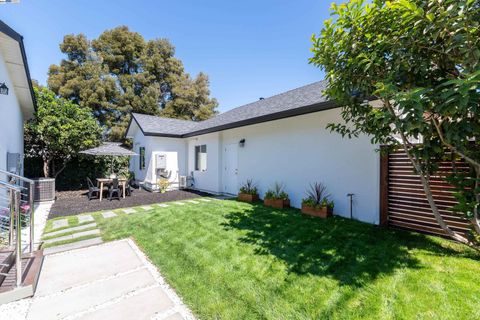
[(73, 236), (74, 245), (79, 228)]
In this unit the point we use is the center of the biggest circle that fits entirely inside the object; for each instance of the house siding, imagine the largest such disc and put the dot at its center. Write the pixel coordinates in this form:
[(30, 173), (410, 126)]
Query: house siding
[(300, 150), (11, 119), (295, 151), (175, 148)]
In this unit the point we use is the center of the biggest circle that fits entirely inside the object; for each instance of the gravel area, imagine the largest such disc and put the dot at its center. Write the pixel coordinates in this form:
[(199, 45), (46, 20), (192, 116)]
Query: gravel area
[(74, 202)]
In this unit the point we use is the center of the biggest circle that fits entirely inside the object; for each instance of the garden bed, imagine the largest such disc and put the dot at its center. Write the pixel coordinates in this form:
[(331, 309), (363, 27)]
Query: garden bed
[(74, 202)]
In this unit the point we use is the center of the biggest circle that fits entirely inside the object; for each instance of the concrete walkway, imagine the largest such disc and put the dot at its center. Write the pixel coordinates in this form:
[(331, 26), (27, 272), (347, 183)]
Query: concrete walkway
[(112, 280)]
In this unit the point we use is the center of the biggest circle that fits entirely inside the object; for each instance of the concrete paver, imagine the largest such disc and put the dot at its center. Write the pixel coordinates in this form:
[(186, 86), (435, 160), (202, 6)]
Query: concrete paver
[(83, 227), (74, 236), (84, 297), (109, 281), (72, 246), (81, 266), (62, 223), (138, 307), (109, 214), (85, 218), (129, 210), (163, 205), (147, 208)]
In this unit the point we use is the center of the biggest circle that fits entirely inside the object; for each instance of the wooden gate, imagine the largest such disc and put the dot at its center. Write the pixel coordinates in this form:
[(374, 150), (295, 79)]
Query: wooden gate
[(403, 203)]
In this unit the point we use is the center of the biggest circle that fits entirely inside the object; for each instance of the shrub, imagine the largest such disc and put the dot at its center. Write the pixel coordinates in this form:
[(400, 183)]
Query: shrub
[(163, 185), (249, 188), (317, 196), (276, 193)]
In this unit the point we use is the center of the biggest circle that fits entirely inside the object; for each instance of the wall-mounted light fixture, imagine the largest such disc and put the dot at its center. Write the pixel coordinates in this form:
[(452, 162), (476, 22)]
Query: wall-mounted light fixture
[(3, 89), (241, 143)]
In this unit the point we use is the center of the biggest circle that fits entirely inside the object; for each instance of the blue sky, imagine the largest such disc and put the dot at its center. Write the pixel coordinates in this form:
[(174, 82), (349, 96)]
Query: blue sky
[(249, 49)]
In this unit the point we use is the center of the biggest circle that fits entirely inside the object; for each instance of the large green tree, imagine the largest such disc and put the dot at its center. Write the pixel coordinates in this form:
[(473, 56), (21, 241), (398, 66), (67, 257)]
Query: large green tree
[(58, 131), (120, 72), (419, 59)]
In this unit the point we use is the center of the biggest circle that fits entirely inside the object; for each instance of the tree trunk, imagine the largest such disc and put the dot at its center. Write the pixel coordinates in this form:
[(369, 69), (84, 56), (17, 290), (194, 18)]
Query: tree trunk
[(428, 192), (424, 178), (46, 167)]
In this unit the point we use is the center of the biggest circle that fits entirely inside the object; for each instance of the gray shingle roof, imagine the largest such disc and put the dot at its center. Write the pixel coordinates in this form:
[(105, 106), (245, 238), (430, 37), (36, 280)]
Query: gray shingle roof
[(298, 101), (166, 126)]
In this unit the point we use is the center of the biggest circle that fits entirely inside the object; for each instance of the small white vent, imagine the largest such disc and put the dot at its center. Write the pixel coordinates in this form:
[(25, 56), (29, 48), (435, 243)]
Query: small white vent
[(183, 182)]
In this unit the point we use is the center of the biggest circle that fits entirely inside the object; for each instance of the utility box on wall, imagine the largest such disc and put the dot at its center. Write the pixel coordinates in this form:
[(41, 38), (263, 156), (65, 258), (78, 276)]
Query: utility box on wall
[(14, 163), (161, 161)]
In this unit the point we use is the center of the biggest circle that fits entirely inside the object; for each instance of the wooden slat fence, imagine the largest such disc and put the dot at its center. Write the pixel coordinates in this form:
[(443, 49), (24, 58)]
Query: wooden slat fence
[(403, 203)]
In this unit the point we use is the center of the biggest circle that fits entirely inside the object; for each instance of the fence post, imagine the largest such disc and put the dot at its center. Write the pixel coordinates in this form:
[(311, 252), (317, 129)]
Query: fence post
[(383, 186), (32, 217), (12, 218), (18, 257)]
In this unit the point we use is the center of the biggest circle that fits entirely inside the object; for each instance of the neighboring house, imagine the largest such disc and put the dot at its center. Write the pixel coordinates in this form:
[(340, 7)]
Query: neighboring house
[(282, 138), (18, 104)]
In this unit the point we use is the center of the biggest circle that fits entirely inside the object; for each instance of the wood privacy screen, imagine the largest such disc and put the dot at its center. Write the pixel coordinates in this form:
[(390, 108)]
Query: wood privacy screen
[(403, 203)]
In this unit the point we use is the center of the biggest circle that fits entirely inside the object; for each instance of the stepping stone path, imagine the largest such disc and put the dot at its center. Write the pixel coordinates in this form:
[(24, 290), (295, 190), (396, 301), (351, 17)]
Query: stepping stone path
[(74, 236), (109, 214), (129, 210), (163, 205), (147, 208), (193, 201), (205, 200), (79, 228), (62, 223), (85, 218), (180, 203)]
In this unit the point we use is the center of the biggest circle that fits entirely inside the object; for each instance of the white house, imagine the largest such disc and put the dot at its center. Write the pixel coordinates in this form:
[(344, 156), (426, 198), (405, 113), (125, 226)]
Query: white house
[(17, 98), (278, 139)]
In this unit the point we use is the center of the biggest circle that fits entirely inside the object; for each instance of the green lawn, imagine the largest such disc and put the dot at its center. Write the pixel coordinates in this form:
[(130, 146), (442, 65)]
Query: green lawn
[(231, 260)]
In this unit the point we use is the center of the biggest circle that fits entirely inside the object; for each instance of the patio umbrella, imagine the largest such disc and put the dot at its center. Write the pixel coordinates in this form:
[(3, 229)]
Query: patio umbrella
[(113, 149)]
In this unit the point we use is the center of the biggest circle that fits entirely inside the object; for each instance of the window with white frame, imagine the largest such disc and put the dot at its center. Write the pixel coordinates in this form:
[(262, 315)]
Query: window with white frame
[(201, 157)]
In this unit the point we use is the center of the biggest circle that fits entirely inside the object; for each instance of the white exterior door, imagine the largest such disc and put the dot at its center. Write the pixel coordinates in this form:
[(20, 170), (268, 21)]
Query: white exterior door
[(230, 168)]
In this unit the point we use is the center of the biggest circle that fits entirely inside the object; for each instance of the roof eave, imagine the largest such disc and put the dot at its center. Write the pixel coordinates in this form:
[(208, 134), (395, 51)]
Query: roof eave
[(4, 28), (326, 105)]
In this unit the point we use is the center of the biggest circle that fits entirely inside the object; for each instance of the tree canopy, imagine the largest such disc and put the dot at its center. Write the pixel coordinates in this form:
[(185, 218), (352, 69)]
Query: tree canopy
[(420, 60), (120, 72), (59, 130)]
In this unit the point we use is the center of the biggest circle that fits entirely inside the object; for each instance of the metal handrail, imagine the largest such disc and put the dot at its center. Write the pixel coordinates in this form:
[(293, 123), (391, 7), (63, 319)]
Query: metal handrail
[(10, 186), (15, 230), (30, 202), (16, 176)]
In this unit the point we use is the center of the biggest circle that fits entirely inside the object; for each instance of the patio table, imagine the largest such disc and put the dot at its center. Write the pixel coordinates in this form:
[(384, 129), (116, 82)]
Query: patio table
[(102, 181)]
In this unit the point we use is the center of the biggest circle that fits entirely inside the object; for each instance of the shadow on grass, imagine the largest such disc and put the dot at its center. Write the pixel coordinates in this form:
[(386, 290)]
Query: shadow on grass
[(351, 252)]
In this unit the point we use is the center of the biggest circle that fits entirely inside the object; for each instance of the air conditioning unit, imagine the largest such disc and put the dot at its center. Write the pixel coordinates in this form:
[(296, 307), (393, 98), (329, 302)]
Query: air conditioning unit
[(183, 182)]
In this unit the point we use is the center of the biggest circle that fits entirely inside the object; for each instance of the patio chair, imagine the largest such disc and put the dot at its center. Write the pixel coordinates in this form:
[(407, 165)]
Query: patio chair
[(92, 189), (128, 187), (114, 189)]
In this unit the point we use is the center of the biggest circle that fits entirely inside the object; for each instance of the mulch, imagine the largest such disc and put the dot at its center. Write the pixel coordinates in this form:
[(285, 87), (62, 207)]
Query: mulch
[(69, 203)]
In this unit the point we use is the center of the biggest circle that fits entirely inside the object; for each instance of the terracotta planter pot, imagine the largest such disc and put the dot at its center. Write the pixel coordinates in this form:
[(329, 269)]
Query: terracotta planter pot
[(276, 203), (245, 197), (323, 212)]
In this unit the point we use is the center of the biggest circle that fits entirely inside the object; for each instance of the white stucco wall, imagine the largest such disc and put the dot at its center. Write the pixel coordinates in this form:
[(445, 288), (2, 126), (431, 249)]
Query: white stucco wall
[(298, 151), (11, 119), (295, 151), (176, 150), (208, 180)]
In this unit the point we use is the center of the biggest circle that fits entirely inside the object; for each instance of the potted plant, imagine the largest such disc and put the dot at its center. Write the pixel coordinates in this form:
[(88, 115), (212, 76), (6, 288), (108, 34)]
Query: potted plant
[(248, 192), (317, 203), (276, 197)]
